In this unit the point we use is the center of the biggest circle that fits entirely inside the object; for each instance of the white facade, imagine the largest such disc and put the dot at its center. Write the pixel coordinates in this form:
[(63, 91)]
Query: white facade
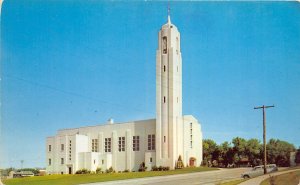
[(124, 146)]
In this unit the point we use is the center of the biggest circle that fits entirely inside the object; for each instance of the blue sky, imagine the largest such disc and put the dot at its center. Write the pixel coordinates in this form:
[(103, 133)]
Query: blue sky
[(67, 64)]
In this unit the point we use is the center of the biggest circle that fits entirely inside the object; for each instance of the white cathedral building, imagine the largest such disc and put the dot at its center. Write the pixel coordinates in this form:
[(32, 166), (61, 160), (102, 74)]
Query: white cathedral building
[(125, 146)]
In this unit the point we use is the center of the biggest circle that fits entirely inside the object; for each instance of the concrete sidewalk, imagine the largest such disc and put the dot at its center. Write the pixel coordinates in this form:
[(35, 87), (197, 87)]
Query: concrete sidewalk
[(258, 180)]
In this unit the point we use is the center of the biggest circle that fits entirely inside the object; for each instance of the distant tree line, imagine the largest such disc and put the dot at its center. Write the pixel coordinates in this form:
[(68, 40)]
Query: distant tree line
[(242, 152)]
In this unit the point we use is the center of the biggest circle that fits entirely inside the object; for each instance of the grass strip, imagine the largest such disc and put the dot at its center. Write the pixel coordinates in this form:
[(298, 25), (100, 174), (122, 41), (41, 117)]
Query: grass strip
[(90, 178), (290, 178), (233, 182)]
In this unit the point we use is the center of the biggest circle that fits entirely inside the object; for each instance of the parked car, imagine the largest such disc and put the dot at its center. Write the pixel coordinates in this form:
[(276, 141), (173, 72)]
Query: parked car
[(259, 170)]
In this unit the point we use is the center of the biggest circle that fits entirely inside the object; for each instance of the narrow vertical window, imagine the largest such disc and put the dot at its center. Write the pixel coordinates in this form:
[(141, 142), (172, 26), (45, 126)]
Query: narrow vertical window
[(62, 161), (164, 139), (49, 162), (49, 148), (94, 145), (121, 144), (164, 99), (150, 159), (107, 145), (151, 142), (164, 68), (62, 147), (136, 143)]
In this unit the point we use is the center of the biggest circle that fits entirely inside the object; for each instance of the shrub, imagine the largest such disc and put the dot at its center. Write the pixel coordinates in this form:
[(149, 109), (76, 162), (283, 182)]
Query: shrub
[(125, 171), (98, 170), (110, 170), (83, 171), (154, 168), (160, 168), (179, 163), (166, 168), (142, 167), (215, 163), (204, 162)]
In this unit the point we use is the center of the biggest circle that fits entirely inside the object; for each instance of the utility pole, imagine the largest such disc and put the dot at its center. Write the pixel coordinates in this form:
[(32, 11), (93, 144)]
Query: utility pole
[(264, 133), (22, 161)]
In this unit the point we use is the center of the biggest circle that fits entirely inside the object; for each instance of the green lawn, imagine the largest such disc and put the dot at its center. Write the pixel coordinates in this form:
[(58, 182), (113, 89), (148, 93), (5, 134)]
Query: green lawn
[(80, 179), (291, 178)]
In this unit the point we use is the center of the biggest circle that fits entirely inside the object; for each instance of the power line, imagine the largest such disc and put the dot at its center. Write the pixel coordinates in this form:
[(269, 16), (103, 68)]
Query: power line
[(119, 106)]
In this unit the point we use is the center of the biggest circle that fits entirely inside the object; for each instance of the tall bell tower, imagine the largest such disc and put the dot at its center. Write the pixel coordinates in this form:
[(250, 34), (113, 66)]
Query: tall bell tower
[(169, 126)]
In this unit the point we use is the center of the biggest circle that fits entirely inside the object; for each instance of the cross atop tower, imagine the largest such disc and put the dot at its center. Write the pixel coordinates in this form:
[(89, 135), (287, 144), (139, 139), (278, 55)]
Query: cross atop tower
[(169, 19)]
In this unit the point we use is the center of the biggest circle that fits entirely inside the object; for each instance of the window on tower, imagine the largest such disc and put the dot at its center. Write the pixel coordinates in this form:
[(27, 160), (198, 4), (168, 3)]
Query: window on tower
[(164, 45), (191, 135), (164, 68), (177, 45), (164, 99)]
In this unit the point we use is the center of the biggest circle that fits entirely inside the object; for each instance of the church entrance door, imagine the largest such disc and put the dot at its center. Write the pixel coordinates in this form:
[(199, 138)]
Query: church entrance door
[(70, 170), (192, 161)]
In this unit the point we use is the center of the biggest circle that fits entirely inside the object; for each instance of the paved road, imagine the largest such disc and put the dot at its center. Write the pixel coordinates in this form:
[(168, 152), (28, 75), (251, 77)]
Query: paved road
[(199, 178)]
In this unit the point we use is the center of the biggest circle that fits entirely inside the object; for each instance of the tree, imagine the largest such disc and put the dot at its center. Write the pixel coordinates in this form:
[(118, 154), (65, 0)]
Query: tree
[(209, 148), (278, 152), (242, 151), (239, 148), (224, 150), (297, 157), (253, 150)]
